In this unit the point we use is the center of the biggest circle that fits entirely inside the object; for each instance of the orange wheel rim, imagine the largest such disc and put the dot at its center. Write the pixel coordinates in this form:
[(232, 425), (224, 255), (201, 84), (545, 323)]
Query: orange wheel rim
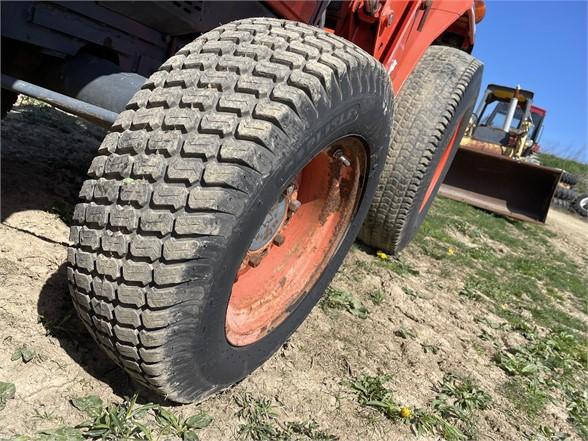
[(297, 239)]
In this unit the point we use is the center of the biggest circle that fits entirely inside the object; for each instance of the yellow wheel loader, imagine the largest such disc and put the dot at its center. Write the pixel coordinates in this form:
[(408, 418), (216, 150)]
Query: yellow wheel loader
[(496, 167)]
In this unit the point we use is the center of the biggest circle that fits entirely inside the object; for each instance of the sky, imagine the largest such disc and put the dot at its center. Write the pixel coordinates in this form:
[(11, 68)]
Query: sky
[(542, 46)]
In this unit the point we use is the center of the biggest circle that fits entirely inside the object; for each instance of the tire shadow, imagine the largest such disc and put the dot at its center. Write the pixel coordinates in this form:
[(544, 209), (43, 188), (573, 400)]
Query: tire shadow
[(45, 156), (60, 320)]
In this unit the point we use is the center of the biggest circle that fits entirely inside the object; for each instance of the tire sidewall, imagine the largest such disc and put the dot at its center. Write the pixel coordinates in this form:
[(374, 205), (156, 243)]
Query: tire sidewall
[(220, 364)]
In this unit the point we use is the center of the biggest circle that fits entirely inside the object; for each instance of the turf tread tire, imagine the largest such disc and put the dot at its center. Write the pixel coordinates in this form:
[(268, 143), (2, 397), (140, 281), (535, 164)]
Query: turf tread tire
[(171, 178)]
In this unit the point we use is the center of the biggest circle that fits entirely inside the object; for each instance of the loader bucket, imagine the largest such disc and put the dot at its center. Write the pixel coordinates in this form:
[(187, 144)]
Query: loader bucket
[(502, 185)]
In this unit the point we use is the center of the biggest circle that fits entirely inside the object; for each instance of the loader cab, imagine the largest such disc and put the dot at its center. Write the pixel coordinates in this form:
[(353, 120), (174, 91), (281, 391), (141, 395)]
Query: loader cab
[(537, 116), (497, 121), (496, 116)]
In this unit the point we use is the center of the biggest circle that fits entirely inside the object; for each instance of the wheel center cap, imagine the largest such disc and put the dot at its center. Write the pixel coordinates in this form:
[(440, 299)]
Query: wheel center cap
[(271, 225)]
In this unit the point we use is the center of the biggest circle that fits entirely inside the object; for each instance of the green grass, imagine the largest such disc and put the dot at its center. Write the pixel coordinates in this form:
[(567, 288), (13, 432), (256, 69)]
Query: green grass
[(506, 263), (513, 269), (526, 396)]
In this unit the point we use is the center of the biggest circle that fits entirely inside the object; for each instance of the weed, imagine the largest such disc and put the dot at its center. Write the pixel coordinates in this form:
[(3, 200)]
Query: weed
[(24, 354), (578, 411), (183, 428), (377, 297), (548, 434), (398, 266), (453, 409), (91, 405), (471, 290), (485, 335), (128, 420), (412, 293), (364, 265), (259, 416), (463, 392), (451, 413), (371, 392), (260, 423), (404, 332), (60, 434), (429, 422), (310, 430), (553, 361), (337, 299), (46, 415), (519, 363), (117, 421), (430, 348), (7, 392)]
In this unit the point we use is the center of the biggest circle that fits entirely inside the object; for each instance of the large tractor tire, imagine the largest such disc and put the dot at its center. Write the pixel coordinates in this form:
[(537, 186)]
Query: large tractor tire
[(562, 204), (568, 178), (580, 205), (224, 199), (431, 114), (567, 194)]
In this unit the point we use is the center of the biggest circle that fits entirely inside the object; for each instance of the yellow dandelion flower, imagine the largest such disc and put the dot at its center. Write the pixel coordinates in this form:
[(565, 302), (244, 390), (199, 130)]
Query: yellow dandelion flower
[(382, 255), (405, 412), (450, 251)]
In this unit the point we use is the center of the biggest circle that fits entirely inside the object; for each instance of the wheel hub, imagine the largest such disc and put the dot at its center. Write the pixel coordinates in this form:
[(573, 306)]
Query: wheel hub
[(296, 240)]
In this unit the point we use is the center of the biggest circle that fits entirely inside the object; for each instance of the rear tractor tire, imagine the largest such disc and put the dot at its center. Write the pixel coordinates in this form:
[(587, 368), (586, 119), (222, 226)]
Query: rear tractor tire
[(224, 199), (431, 114)]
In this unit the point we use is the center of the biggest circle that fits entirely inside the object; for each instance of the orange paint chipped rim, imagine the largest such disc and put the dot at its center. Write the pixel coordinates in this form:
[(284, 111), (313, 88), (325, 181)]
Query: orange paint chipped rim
[(328, 188), (440, 167)]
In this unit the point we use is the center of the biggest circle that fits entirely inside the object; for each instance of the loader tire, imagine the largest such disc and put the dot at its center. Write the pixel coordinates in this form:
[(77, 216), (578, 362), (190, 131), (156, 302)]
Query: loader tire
[(431, 114), (580, 205), (224, 199), (566, 194), (568, 178)]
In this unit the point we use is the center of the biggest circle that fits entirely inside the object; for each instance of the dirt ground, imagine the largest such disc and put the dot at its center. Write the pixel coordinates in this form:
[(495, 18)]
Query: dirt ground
[(45, 155)]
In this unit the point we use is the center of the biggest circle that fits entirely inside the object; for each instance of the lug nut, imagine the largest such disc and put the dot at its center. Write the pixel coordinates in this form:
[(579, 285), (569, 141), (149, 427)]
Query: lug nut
[(279, 239), (346, 162), (338, 154), (254, 261), (294, 205)]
